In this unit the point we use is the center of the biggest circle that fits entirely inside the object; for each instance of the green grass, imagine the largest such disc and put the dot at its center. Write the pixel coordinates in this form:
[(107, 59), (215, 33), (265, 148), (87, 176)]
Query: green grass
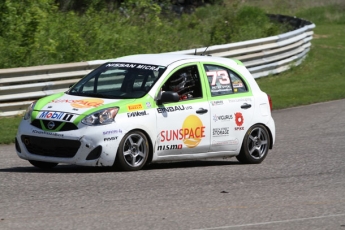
[(320, 77), (9, 126)]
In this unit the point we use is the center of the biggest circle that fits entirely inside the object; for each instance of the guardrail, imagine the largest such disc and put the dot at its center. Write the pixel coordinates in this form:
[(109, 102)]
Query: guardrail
[(264, 56)]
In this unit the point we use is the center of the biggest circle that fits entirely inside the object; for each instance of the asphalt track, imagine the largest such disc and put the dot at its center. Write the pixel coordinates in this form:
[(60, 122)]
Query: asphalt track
[(300, 185)]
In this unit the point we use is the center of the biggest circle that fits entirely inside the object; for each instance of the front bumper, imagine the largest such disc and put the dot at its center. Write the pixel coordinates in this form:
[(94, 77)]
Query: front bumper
[(87, 145)]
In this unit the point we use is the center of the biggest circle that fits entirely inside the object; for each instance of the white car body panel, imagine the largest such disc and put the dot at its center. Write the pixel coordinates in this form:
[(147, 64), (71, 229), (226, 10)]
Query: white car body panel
[(217, 133)]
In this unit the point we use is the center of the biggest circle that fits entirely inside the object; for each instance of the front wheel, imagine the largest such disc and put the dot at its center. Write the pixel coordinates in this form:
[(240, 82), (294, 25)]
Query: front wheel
[(43, 165), (133, 151), (255, 145)]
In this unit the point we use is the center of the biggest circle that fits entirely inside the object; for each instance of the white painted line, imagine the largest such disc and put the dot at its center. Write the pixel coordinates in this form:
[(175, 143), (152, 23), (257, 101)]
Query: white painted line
[(272, 222)]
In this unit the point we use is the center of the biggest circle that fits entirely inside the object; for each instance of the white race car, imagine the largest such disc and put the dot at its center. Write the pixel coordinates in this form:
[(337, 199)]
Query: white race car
[(149, 108)]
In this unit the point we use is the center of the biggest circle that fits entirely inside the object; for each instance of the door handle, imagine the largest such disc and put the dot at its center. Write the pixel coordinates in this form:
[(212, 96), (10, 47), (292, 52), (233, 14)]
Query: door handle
[(201, 111), (246, 106)]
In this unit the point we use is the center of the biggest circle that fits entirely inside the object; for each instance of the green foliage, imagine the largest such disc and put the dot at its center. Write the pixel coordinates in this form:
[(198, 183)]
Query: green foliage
[(41, 32), (19, 25), (242, 23)]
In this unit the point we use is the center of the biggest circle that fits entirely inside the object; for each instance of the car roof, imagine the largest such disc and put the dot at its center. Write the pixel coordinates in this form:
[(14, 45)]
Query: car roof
[(166, 59)]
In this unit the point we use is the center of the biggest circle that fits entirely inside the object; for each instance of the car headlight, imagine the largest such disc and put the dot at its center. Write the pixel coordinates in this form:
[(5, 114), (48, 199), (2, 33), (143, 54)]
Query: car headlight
[(29, 110), (101, 117)]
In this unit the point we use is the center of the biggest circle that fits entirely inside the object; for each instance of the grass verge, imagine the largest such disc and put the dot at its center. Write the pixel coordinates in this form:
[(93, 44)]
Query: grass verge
[(9, 126), (319, 78)]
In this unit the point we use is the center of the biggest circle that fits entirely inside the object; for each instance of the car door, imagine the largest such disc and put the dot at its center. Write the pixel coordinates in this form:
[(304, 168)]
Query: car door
[(183, 127), (231, 106)]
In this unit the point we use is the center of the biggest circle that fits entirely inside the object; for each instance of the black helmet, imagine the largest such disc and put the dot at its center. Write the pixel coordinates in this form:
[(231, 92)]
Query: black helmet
[(178, 83), (182, 84)]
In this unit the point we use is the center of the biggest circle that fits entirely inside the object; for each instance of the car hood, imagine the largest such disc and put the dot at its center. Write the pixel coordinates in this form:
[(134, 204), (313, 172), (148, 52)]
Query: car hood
[(60, 105)]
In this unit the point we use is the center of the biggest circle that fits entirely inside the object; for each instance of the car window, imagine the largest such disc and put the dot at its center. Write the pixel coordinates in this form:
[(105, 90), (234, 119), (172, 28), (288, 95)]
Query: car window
[(118, 80), (238, 84), (186, 82), (223, 81)]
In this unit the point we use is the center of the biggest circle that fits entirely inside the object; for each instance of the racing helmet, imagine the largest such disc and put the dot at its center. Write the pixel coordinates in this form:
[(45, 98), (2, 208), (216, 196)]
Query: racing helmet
[(182, 83), (178, 83)]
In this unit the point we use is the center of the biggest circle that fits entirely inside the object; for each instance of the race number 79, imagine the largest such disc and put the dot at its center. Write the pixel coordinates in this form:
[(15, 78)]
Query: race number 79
[(224, 80)]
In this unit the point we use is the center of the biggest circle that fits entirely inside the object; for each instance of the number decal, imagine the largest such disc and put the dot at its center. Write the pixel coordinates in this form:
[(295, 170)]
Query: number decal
[(224, 80)]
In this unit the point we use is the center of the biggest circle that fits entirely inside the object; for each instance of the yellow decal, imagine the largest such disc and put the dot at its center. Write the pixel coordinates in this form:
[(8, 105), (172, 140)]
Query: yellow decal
[(193, 124), (191, 133), (87, 103), (135, 107)]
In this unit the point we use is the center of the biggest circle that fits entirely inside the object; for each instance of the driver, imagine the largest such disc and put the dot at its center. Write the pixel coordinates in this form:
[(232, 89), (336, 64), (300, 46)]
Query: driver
[(182, 84)]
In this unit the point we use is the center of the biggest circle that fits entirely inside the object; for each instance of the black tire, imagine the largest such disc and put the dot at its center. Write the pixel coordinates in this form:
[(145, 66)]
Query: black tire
[(43, 165), (133, 151), (255, 145)]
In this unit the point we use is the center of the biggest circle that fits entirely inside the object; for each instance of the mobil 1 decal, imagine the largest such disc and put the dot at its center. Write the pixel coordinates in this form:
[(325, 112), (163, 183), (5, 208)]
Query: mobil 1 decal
[(239, 120), (189, 134), (55, 115)]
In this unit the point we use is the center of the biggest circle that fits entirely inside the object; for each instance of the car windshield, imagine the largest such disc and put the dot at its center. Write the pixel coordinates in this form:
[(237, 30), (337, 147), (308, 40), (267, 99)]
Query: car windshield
[(118, 81)]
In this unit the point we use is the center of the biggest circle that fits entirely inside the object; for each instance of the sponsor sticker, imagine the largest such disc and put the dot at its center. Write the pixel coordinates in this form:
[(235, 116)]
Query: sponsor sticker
[(115, 131), (237, 85), (135, 107), (137, 114), (47, 133), (81, 104), (225, 142), (191, 133), (55, 115), (214, 103), (173, 108), (239, 120), (240, 100), (222, 117), (217, 132), (169, 147), (110, 138), (134, 66)]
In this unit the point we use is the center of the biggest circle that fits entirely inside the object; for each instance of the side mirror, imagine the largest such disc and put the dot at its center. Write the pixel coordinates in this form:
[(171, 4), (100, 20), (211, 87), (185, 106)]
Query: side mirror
[(168, 96)]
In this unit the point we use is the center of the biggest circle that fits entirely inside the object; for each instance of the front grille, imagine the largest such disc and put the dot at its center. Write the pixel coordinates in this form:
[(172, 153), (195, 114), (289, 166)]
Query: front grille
[(51, 147), (67, 126)]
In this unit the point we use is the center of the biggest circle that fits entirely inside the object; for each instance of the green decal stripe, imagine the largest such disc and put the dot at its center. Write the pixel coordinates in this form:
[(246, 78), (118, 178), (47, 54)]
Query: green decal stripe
[(42, 102), (142, 101), (60, 126), (42, 125)]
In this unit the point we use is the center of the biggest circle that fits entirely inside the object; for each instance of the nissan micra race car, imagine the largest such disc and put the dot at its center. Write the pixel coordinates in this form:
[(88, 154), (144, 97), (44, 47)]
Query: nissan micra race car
[(149, 108)]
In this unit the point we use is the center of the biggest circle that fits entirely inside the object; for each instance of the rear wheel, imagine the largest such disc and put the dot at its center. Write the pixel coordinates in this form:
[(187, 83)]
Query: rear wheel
[(255, 145), (133, 151), (43, 165)]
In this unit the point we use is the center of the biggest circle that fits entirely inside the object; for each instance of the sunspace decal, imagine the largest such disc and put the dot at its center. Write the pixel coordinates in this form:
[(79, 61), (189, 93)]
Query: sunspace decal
[(190, 134)]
